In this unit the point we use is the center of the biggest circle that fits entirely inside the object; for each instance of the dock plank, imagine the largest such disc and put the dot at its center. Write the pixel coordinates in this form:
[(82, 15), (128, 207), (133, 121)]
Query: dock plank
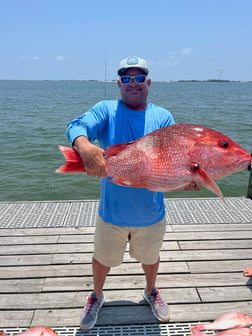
[(20, 286), (218, 227), (216, 244), (237, 293), (61, 248), (219, 266), (57, 299), (40, 231), (179, 255), (16, 318), (125, 314), (46, 272)]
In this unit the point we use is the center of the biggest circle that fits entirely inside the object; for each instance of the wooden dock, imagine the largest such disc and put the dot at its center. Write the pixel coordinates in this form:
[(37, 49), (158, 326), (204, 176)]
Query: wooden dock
[(46, 252)]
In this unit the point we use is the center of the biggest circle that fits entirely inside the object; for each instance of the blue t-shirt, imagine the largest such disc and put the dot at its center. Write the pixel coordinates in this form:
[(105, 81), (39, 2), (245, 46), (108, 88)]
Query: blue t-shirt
[(110, 122)]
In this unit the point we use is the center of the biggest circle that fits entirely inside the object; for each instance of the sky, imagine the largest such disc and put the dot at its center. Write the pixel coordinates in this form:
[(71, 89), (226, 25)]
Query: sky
[(87, 39)]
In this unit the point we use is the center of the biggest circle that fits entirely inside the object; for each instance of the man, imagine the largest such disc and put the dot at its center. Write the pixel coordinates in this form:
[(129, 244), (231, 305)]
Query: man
[(125, 213)]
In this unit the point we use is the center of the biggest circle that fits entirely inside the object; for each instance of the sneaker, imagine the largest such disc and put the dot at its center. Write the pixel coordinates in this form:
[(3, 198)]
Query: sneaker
[(159, 307), (90, 312)]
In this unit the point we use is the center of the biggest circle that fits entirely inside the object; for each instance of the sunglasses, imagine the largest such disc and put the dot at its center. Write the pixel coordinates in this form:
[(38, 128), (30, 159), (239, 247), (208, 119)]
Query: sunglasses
[(137, 79)]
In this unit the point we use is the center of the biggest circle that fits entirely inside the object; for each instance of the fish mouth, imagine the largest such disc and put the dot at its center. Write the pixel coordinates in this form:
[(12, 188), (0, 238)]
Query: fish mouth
[(241, 164), (250, 165)]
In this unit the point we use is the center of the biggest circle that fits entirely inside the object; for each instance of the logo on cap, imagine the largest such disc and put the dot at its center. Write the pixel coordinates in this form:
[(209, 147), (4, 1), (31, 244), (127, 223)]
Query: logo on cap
[(132, 61)]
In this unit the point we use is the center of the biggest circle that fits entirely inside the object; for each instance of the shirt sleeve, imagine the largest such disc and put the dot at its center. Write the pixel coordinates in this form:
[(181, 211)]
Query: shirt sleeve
[(89, 124), (168, 118)]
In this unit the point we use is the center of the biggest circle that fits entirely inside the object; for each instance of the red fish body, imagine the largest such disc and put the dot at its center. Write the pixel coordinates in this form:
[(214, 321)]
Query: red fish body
[(226, 321), (230, 332), (35, 331), (169, 159)]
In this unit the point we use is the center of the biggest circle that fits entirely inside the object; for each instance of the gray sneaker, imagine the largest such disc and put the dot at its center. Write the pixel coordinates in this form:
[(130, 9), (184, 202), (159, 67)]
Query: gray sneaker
[(158, 306), (90, 312)]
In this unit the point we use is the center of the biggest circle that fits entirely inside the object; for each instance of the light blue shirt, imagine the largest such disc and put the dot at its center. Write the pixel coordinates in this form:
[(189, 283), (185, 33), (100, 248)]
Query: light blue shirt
[(110, 122)]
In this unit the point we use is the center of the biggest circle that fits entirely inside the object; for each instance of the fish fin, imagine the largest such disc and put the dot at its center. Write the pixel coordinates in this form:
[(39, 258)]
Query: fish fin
[(73, 163), (197, 333), (125, 183), (203, 179), (114, 149), (200, 327), (120, 182)]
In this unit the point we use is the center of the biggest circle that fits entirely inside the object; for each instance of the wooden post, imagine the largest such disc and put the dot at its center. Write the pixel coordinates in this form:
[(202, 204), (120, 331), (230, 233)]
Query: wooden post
[(249, 192)]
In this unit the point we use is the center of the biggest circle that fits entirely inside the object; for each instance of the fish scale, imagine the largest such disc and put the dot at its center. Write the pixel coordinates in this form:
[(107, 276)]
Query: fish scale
[(171, 158)]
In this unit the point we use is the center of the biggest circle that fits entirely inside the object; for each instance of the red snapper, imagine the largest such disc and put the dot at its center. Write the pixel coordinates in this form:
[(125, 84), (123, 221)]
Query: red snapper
[(225, 321), (34, 331), (229, 332), (171, 158)]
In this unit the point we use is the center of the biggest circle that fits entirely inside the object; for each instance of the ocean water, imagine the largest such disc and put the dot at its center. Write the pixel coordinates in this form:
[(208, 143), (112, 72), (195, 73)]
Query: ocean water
[(34, 115)]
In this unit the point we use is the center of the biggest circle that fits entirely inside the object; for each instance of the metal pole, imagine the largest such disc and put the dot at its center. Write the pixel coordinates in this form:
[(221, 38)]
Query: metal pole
[(249, 192)]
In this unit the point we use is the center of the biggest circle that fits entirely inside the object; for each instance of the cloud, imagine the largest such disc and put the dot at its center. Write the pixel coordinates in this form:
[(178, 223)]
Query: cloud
[(60, 58), (173, 58), (23, 58), (29, 58), (186, 51), (170, 61), (209, 64), (171, 53)]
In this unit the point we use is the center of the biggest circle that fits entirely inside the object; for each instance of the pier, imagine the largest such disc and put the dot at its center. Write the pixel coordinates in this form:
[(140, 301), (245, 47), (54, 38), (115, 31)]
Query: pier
[(45, 268)]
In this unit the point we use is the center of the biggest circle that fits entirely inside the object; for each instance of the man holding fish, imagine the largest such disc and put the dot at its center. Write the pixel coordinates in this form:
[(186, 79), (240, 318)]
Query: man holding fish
[(126, 214), (142, 154)]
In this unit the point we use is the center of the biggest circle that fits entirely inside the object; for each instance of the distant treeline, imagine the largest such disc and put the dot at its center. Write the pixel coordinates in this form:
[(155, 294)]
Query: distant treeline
[(207, 80)]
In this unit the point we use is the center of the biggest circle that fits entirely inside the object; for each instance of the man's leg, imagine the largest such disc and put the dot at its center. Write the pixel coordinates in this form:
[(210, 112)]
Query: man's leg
[(151, 275), (110, 242), (96, 299), (99, 273), (159, 307)]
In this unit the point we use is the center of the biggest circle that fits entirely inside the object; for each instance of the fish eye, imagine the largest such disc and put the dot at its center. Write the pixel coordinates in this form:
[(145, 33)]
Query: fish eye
[(224, 144)]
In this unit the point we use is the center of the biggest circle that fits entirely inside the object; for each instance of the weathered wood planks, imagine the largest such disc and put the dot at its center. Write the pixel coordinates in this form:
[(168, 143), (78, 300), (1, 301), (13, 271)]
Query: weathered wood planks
[(45, 274)]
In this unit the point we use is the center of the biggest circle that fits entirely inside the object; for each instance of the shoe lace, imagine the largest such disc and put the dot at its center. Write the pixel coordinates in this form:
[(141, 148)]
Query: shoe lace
[(91, 304), (157, 300)]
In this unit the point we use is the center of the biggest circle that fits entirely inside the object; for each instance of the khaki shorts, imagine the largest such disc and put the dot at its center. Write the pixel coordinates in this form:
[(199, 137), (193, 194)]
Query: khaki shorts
[(144, 242)]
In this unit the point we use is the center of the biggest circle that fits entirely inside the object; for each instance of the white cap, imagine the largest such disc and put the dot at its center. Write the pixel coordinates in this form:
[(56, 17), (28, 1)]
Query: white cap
[(133, 62)]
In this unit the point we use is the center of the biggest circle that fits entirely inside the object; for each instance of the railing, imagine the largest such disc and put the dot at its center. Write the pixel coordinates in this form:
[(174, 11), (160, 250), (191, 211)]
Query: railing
[(249, 192)]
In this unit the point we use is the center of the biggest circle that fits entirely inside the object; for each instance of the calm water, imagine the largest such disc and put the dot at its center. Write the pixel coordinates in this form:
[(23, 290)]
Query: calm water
[(34, 115)]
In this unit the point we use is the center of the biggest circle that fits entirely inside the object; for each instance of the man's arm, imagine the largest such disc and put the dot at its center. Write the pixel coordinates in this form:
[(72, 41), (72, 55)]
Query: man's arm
[(92, 156)]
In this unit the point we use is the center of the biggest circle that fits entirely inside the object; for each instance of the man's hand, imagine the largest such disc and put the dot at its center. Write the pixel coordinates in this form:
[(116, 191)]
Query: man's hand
[(92, 156), (192, 187)]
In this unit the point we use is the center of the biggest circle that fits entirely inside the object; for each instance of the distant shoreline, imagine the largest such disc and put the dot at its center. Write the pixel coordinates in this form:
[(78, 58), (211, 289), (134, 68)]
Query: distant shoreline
[(115, 80)]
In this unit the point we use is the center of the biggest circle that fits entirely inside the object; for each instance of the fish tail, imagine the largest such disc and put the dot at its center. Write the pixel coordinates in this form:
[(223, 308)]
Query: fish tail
[(73, 163)]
